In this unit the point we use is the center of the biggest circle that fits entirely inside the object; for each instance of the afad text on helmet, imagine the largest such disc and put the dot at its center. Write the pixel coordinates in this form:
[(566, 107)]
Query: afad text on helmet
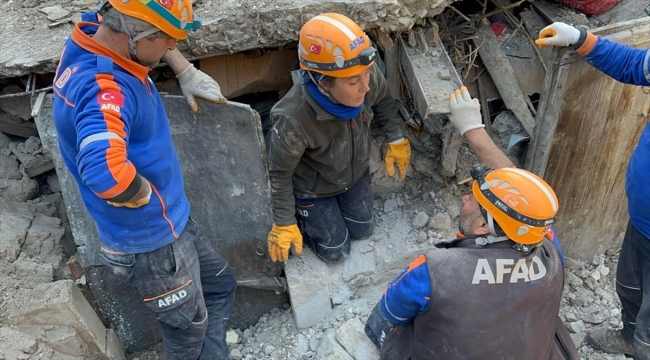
[(356, 42)]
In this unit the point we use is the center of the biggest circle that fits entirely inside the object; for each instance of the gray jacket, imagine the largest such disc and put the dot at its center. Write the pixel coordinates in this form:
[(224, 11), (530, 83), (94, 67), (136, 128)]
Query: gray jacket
[(313, 154)]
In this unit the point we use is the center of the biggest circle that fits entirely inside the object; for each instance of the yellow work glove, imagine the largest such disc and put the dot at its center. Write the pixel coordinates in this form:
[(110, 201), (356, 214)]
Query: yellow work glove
[(139, 201), (280, 239), (195, 83), (558, 34), (398, 152)]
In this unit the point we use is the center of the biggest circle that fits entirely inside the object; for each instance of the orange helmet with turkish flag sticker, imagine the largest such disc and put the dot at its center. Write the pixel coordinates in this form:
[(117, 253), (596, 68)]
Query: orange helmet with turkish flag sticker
[(522, 204), (334, 45), (173, 17)]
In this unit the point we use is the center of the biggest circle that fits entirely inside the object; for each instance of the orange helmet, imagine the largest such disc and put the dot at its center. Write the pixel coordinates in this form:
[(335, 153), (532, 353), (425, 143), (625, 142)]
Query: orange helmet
[(522, 204), (334, 45), (173, 17)]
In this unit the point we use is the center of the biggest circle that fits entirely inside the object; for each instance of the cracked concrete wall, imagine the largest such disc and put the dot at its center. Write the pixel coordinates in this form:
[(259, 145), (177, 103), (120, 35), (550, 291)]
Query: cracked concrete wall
[(229, 26)]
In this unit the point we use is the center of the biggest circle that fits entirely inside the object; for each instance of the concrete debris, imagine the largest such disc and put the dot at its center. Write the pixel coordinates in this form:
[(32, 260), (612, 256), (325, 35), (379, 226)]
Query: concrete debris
[(355, 341), (330, 349), (228, 27), (420, 219), (54, 13), (441, 222), (17, 106)]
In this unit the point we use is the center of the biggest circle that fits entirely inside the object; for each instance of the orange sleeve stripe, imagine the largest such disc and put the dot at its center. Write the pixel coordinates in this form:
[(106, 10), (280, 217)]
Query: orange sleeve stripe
[(588, 45), (164, 213), (113, 119), (122, 171), (421, 259), (62, 97)]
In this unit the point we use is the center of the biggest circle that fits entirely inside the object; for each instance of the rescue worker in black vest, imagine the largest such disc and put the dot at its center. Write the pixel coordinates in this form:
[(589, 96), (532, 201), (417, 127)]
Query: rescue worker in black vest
[(493, 293)]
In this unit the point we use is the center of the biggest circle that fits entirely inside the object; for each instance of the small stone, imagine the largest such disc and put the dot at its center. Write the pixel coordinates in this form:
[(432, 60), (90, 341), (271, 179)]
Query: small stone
[(422, 237), (595, 275), (54, 13), (576, 326), (247, 334), (570, 317), (420, 220), (604, 270), (591, 283), (236, 354), (232, 337), (269, 349), (615, 312), (444, 74), (390, 205), (574, 265)]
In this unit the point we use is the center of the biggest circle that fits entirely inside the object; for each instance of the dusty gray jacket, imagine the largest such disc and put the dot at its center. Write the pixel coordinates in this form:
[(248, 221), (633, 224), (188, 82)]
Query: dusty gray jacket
[(313, 154)]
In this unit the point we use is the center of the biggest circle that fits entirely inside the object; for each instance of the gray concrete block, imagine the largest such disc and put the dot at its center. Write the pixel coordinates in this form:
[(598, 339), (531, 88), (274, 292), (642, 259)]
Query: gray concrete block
[(330, 349), (15, 220), (58, 303), (355, 341), (308, 278), (113, 349), (361, 260)]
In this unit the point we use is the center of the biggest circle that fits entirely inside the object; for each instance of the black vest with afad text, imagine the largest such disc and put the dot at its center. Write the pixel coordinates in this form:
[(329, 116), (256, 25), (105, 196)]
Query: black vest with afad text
[(488, 302)]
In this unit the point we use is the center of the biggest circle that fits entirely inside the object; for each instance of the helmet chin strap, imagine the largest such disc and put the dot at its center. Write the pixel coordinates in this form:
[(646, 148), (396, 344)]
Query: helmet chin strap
[(320, 88), (134, 39), (492, 237)]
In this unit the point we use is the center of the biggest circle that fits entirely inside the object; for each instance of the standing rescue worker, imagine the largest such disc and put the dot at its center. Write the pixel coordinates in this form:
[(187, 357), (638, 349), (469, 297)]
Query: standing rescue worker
[(630, 66), (115, 139), (493, 293), (319, 144)]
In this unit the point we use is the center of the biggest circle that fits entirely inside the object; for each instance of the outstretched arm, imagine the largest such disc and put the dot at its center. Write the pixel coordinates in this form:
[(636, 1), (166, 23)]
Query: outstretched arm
[(466, 117)]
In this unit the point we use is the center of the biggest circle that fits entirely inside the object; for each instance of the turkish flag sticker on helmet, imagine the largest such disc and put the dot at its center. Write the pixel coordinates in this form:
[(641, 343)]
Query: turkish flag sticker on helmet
[(315, 49), (167, 4), (110, 97)]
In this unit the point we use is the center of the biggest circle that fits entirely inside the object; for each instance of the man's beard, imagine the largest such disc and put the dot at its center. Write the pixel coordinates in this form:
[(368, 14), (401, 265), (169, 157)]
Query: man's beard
[(465, 222)]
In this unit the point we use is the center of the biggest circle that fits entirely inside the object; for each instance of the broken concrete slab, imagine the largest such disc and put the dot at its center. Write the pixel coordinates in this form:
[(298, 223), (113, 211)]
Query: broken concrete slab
[(430, 75), (355, 341), (14, 125), (309, 288), (228, 27), (18, 190), (17, 105), (54, 13), (223, 143), (330, 349), (32, 156), (9, 167), (59, 303), (15, 220)]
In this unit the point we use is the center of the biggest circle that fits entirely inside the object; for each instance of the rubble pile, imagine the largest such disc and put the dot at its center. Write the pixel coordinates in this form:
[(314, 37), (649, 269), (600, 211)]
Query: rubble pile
[(43, 315)]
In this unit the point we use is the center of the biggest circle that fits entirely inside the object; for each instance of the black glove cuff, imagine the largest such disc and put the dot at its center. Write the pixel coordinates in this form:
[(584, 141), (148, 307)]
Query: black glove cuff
[(130, 192), (581, 40)]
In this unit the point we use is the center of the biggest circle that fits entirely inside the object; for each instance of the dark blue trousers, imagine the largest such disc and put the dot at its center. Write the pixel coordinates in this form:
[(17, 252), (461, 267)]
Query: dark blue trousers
[(633, 289), (329, 223), (189, 288)]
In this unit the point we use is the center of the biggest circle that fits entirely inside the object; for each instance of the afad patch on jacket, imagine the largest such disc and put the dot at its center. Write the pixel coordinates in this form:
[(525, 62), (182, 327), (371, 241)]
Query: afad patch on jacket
[(110, 100)]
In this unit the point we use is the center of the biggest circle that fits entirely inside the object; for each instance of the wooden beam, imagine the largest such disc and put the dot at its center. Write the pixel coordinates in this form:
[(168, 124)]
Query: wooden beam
[(391, 59), (503, 75)]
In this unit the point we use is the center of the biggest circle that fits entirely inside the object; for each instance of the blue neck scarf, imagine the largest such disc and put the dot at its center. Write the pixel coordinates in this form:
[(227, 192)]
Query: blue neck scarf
[(340, 111)]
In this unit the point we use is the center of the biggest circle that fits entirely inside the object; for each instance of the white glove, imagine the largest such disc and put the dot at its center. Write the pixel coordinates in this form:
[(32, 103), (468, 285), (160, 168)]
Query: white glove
[(558, 34), (465, 111), (195, 83)]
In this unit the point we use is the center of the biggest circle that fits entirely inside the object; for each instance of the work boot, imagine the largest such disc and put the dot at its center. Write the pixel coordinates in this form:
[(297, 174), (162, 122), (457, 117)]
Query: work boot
[(610, 341)]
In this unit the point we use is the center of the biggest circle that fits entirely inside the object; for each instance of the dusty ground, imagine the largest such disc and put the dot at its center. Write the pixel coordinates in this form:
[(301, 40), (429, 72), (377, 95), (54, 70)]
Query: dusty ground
[(586, 302)]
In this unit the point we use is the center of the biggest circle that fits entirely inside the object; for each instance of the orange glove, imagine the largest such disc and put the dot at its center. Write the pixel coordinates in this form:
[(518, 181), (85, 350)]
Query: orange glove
[(280, 239), (398, 152)]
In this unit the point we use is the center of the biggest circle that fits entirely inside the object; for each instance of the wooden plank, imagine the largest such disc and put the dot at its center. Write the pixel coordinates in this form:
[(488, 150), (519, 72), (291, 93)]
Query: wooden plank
[(503, 75), (451, 141), (390, 49), (588, 126), (245, 73)]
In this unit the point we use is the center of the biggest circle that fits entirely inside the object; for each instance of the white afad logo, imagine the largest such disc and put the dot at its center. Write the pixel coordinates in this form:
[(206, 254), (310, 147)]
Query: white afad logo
[(171, 299), (531, 271)]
